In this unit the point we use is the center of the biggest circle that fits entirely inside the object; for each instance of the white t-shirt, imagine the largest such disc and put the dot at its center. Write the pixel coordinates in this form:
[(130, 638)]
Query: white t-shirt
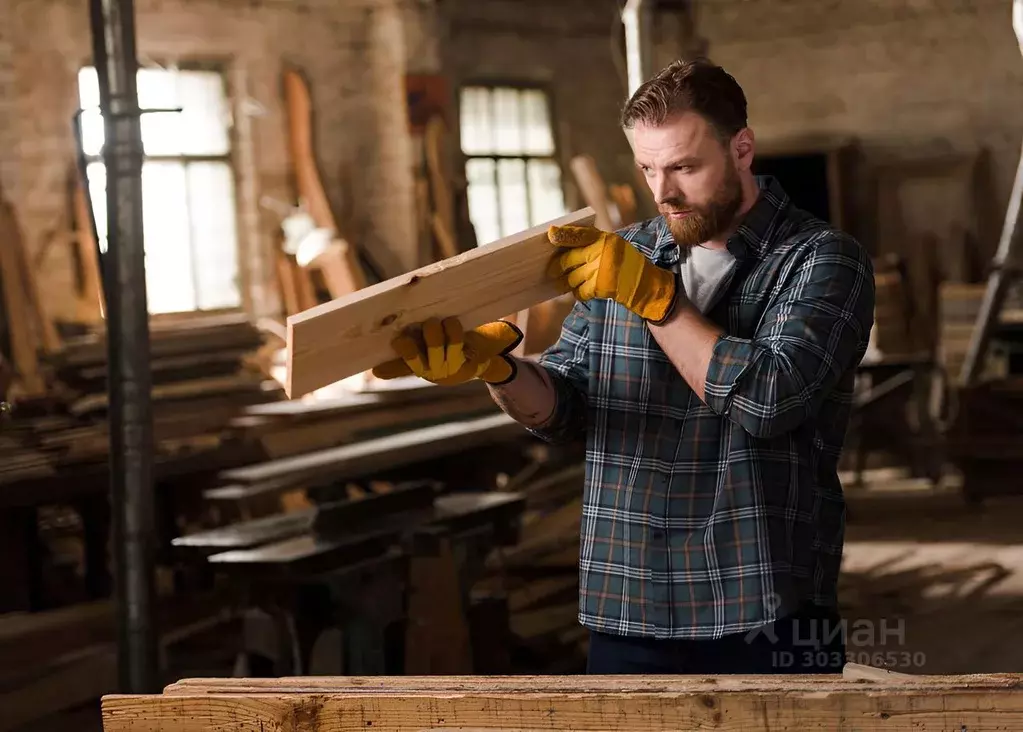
[(704, 272)]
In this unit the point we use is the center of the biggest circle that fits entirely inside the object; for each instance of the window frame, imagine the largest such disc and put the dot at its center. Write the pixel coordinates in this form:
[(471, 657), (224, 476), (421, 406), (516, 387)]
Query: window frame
[(222, 68), (492, 83)]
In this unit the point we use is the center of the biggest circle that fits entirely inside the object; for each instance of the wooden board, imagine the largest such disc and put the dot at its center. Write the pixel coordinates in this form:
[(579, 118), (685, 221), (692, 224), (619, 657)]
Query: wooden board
[(366, 457), (594, 190), (751, 703), (349, 335)]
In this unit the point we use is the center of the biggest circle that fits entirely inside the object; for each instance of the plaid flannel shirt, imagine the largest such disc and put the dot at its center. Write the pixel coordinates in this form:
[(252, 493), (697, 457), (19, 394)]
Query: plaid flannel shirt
[(705, 519)]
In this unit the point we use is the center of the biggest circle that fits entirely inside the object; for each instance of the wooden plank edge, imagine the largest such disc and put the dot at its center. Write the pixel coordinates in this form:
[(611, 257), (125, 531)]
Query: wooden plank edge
[(294, 389), (584, 684), (893, 709)]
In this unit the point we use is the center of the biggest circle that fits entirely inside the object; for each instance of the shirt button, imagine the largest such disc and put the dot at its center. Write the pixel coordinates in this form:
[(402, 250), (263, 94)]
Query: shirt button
[(657, 535)]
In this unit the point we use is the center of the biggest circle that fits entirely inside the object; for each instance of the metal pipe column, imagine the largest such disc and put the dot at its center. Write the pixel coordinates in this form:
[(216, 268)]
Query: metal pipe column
[(127, 317), (638, 21)]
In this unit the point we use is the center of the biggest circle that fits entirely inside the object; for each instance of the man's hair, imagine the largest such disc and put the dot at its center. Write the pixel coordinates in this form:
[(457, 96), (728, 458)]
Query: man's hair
[(689, 86)]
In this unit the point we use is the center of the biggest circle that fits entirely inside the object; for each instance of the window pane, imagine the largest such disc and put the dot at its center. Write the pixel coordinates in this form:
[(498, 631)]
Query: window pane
[(511, 181), (92, 121), (475, 121), (546, 199), (537, 134), (201, 128), (169, 282), (507, 122), (205, 118), (482, 195), (214, 235), (161, 133), (97, 175)]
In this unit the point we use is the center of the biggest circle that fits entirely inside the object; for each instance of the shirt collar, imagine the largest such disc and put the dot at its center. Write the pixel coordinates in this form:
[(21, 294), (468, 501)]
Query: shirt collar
[(758, 228), (754, 236)]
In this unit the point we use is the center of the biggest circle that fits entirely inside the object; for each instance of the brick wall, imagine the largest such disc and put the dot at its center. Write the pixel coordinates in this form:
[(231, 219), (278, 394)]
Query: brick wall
[(908, 79), (905, 78), (352, 53), (8, 139)]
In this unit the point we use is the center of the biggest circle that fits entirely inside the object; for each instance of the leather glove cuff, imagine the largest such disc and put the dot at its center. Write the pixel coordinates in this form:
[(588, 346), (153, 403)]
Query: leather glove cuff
[(503, 369), (671, 305)]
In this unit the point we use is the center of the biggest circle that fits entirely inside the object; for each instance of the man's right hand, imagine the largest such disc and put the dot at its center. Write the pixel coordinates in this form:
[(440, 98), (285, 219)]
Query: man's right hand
[(443, 353)]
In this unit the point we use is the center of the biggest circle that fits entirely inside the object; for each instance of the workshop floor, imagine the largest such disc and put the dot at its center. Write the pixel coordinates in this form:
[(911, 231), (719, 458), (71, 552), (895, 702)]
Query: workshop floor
[(928, 587), (946, 580)]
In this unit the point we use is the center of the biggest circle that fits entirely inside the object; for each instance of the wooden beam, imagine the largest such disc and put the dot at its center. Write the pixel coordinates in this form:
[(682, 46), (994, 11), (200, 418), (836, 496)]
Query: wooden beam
[(594, 189), (365, 457), (351, 334), (750, 703)]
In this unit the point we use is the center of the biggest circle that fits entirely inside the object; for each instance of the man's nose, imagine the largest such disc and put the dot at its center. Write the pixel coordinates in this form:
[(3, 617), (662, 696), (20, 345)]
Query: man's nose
[(662, 189)]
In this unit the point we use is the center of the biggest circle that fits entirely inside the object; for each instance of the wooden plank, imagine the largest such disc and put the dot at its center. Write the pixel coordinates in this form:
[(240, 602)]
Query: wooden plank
[(349, 335), (594, 189), (339, 268), (362, 458), (91, 302), (300, 143), (17, 308), (752, 704), (443, 218), (375, 686)]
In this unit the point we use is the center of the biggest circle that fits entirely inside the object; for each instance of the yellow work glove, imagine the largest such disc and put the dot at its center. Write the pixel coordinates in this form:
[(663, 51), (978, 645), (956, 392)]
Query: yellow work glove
[(443, 353), (599, 264)]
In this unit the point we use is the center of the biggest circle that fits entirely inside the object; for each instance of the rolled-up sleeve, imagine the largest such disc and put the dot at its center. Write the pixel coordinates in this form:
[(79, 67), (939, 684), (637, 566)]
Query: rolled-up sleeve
[(567, 363), (810, 335)]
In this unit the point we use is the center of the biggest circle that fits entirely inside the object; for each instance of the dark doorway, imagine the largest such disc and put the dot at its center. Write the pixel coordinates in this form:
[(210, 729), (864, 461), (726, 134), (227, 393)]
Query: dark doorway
[(804, 177)]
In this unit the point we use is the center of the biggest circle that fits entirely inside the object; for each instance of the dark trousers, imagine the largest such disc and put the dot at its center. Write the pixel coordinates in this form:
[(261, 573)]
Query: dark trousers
[(810, 641)]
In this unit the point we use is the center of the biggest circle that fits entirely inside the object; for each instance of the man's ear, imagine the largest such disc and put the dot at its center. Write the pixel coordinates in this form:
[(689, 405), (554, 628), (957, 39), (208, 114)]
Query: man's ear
[(742, 148)]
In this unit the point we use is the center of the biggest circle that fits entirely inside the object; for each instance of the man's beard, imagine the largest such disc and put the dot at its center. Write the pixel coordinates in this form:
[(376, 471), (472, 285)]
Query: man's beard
[(705, 222)]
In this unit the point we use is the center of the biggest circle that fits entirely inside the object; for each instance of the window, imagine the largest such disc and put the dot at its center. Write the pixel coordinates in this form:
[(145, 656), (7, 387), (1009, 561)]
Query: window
[(188, 190), (514, 181)]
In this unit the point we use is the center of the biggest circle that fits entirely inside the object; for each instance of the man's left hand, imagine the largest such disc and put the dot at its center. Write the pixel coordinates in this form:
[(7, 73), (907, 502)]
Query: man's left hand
[(600, 264)]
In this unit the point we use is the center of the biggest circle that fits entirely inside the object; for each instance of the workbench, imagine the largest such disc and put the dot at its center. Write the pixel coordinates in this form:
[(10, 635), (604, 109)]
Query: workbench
[(627, 703), (352, 565)]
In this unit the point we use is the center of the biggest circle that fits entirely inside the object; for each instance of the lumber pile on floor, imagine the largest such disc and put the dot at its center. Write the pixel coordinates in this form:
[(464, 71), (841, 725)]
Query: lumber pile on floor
[(959, 305), (539, 577), (202, 376), (356, 438), (753, 703), (59, 659)]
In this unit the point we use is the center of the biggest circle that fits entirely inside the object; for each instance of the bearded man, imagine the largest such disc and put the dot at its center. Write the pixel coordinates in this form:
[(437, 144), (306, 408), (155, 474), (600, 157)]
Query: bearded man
[(709, 361)]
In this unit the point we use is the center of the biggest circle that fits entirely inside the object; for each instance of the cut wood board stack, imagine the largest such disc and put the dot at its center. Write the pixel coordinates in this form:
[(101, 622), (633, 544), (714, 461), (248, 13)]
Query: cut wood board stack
[(59, 659), (615, 703), (959, 305), (539, 576), (352, 334), (293, 427), (202, 380), (892, 302), (361, 446)]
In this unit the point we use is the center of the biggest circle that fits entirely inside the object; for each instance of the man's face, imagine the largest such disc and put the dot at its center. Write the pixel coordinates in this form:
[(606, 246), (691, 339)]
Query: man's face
[(692, 176)]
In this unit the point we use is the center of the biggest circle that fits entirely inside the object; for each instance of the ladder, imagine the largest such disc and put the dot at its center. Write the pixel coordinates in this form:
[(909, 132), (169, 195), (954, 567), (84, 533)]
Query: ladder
[(1007, 263)]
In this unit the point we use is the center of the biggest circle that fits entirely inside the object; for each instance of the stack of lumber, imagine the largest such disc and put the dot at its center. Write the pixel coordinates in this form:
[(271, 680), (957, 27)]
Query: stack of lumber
[(202, 375), (539, 577), (60, 659), (314, 442), (959, 305), (892, 308)]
